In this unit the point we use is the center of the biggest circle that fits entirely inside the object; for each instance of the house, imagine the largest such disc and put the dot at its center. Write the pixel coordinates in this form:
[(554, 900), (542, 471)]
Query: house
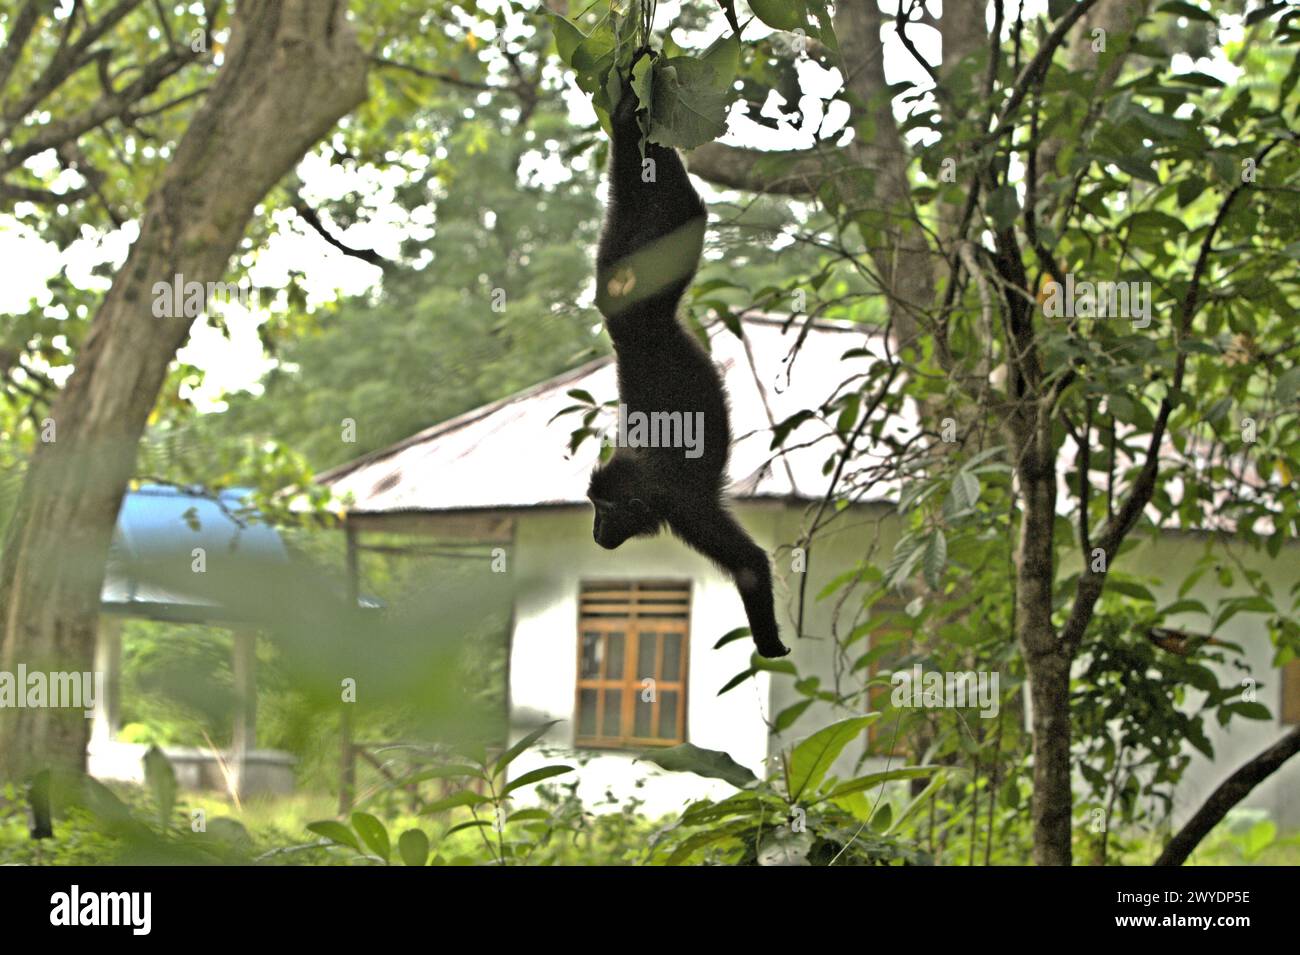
[(591, 626)]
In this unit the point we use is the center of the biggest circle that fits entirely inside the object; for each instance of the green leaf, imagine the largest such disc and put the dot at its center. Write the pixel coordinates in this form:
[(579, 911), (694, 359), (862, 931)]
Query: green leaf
[(373, 833), (1161, 125), (535, 776), (906, 554), (782, 429), (740, 633), (916, 804), (738, 679), (510, 755), (714, 764), (724, 56), (1130, 589), (872, 780), (772, 666), (413, 847), (1180, 9), (688, 109), (936, 558), (965, 491), (780, 14), (465, 797), (811, 759), (335, 832), (567, 37), (1250, 711), (1288, 385), (785, 719), (593, 59), (643, 82)]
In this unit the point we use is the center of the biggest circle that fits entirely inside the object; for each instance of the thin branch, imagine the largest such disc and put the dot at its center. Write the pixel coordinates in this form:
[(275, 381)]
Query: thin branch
[(438, 75), (312, 218), (1038, 65), (901, 22)]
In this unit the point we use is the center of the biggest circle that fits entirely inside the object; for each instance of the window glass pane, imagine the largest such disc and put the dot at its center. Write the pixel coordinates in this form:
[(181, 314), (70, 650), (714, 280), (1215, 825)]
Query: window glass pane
[(613, 709), (592, 651), (667, 714), (644, 714), (647, 643), (672, 657), (614, 656), (587, 713)]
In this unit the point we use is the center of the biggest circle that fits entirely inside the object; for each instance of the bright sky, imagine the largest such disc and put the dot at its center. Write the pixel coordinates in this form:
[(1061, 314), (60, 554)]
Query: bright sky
[(236, 362)]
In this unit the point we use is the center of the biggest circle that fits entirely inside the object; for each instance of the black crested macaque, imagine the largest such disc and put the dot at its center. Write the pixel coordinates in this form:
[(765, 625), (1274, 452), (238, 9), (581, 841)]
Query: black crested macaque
[(649, 249)]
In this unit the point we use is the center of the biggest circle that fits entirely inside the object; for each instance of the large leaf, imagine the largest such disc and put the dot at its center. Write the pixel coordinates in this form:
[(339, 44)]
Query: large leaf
[(712, 763), (567, 37), (811, 759), (413, 847), (780, 14), (724, 56), (593, 59), (688, 109), (373, 833), (335, 832)]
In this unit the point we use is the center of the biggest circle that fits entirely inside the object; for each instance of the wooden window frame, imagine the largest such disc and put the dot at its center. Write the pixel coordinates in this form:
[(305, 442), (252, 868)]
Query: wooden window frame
[(1289, 693), (632, 624)]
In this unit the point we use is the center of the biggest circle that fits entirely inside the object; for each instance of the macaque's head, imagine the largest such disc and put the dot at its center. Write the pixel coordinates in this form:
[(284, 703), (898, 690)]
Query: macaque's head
[(620, 511)]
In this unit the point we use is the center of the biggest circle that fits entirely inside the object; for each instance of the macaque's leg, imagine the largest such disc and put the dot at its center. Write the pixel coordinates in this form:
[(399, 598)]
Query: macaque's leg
[(717, 535)]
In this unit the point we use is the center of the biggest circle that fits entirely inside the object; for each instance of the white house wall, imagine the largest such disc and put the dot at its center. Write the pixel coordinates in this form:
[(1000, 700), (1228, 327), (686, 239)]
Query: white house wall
[(851, 537), (1172, 558), (553, 555)]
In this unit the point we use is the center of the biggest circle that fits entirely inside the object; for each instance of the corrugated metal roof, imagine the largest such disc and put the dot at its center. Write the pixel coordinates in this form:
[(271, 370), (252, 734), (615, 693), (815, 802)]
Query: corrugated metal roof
[(514, 453), (159, 527)]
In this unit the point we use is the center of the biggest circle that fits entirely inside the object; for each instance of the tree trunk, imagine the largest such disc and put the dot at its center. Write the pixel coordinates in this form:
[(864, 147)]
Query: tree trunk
[(1047, 660), (1049, 695), (292, 69)]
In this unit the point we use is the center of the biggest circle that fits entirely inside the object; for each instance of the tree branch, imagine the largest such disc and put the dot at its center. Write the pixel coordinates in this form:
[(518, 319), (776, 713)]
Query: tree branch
[(20, 32), (1230, 792), (795, 173), (312, 218), (1091, 583)]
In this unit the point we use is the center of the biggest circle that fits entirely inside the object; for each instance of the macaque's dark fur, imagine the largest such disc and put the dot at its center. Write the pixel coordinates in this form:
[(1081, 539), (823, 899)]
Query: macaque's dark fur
[(649, 249)]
